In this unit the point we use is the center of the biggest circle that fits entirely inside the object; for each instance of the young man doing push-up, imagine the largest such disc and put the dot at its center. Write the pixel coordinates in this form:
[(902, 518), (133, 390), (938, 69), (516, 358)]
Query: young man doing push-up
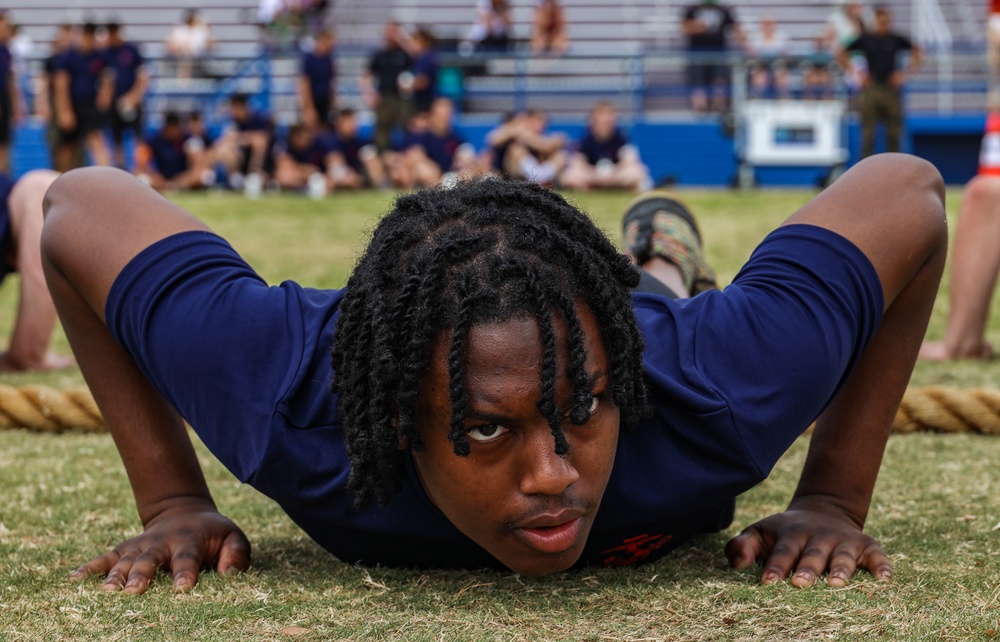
[(501, 394)]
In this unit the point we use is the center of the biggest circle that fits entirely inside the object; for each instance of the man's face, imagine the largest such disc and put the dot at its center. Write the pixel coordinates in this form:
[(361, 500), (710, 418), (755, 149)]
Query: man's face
[(883, 21), (441, 113), (513, 495), (603, 122), (347, 126)]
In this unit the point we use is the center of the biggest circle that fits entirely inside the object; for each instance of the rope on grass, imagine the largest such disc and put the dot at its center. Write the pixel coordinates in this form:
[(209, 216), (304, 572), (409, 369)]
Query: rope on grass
[(46, 409), (927, 409), (941, 409)]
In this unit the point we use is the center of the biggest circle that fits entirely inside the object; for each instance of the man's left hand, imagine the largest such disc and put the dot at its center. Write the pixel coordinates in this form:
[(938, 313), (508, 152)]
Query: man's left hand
[(804, 543)]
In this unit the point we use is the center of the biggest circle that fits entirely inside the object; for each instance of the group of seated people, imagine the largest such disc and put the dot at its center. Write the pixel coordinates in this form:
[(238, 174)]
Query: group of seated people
[(248, 155)]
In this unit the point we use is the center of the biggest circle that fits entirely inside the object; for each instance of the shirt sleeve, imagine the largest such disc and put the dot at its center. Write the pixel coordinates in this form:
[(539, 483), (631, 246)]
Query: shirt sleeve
[(208, 333)]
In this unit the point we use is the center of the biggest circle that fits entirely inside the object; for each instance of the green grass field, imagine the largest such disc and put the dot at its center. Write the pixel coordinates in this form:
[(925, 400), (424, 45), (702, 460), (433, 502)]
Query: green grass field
[(64, 498)]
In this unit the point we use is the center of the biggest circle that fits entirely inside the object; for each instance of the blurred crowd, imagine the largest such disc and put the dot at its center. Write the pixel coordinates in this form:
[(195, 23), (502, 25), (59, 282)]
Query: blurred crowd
[(93, 84)]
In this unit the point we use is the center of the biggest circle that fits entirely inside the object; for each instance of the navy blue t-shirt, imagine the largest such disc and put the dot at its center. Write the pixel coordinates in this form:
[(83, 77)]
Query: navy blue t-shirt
[(125, 60), (85, 71), (169, 156), (426, 64), (351, 150), (6, 64), (596, 150), (320, 72), (440, 149), (254, 122), (734, 377), (312, 154)]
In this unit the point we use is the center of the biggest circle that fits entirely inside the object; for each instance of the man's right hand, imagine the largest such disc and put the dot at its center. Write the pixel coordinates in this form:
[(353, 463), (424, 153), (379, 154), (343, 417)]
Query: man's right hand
[(182, 540)]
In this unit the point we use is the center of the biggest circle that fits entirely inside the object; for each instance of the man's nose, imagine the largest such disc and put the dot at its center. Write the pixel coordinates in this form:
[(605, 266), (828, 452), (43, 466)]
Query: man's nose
[(543, 472)]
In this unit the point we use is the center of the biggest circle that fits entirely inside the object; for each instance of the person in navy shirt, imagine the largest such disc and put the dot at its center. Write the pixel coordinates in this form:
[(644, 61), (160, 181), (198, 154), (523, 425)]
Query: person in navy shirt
[(604, 157), (508, 389), (246, 146), (83, 92), (317, 83), (354, 161), (171, 159), (10, 95), (439, 150), (127, 65), (425, 70), (302, 156)]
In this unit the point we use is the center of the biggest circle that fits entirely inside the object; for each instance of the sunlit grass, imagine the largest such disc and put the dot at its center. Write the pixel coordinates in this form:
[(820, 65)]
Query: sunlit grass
[(64, 498)]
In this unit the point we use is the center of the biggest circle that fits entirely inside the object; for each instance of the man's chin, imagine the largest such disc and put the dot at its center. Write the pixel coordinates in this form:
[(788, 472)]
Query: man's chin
[(535, 564)]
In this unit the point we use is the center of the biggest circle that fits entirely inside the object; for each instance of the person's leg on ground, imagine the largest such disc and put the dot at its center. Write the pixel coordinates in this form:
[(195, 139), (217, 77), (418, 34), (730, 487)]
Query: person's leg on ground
[(974, 265), (869, 117), (36, 314), (661, 235), (892, 108)]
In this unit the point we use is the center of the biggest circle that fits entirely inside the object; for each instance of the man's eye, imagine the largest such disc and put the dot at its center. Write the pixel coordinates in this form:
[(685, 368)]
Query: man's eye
[(595, 402), (485, 433)]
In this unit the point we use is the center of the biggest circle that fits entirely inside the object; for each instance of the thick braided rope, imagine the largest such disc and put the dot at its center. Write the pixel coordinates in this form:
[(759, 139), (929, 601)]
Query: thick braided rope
[(46, 409), (926, 409)]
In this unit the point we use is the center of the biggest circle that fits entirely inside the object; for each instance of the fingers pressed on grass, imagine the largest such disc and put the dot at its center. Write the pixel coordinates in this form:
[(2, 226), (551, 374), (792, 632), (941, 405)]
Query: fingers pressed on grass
[(843, 564), (185, 566), (235, 555)]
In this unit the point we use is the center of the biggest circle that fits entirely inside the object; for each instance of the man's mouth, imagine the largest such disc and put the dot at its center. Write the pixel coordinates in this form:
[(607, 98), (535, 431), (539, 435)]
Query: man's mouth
[(551, 533)]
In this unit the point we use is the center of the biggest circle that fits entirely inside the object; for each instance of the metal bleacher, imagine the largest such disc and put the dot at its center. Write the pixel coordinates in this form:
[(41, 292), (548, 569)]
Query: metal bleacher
[(624, 51)]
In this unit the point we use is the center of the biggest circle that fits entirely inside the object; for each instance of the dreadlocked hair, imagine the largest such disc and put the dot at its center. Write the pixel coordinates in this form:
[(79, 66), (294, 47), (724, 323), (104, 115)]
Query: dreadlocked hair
[(487, 250)]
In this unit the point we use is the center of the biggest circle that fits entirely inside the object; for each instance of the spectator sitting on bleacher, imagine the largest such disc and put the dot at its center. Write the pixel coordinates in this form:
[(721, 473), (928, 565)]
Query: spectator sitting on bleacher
[(83, 93), (548, 29), (171, 159), (522, 148), (817, 78), (394, 159), (491, 30), (843, 26), (301, 161), (439, 150), (10, 100), (604, 157), (354, 162), (425, 69), (189, 42), (125, 61), (245, 146), (768, 50), (317, 83)]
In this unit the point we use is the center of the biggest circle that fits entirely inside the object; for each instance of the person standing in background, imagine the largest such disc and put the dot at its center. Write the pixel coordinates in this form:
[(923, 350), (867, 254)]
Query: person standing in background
[(317, 82), (707, 26), (491, 30), (10, 97), (882, 87), (387, 85), (425, 69), (125, 62), (82, 95), (45, 100)]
